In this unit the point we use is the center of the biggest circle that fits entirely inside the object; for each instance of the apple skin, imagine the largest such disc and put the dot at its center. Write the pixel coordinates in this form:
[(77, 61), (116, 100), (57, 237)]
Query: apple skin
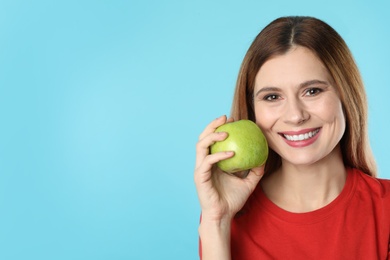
[(248, 143)]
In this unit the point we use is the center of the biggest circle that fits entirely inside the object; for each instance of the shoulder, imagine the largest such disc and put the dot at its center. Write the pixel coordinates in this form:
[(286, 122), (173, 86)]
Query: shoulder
[(376, 186)]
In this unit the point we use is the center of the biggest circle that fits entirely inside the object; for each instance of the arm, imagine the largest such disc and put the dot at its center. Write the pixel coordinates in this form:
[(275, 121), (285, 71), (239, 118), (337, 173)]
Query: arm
[(215, 239)]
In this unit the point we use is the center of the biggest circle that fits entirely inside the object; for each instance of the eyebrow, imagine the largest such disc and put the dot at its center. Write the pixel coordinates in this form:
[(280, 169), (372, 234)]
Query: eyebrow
[(302, 85)]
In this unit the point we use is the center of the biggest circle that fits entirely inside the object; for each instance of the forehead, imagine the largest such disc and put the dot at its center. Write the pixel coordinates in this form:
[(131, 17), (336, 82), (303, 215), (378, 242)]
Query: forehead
[(292, 68)]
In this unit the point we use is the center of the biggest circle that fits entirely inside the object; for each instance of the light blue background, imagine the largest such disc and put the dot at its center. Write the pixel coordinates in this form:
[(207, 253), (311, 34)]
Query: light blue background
[(102, 102)]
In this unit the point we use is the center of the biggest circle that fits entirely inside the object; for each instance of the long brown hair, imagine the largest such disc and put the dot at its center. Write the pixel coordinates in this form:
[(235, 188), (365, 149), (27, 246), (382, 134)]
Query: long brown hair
[(276, 39)]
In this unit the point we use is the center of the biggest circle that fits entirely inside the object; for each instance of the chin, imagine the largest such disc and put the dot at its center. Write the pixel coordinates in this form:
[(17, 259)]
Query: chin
[(301, 161)]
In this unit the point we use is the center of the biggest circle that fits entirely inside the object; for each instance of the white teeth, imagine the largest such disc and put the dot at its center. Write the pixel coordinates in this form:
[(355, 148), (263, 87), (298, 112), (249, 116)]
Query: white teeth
[(301, 137)]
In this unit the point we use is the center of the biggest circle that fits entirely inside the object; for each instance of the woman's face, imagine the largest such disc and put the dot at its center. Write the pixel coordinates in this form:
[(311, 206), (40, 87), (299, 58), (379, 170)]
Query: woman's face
[(297, 107)]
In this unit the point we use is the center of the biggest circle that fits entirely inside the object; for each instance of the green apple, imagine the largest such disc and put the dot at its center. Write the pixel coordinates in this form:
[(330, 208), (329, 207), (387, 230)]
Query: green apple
[(247, 142)]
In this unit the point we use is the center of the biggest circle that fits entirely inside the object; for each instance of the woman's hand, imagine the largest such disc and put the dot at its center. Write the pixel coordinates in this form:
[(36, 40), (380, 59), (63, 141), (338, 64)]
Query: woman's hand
[(221, 195)]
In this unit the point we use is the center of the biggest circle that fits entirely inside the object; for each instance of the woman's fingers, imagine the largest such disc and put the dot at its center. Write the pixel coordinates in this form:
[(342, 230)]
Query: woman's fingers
[(210, 128), (254, 176), (209, 137), (203, 171), (202, 147), (258, 171), (230, 120)]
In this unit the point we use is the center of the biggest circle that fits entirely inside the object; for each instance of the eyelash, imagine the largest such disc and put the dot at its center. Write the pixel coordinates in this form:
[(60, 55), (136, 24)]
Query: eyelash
[(310, 91), (307, 92), (271, 97)]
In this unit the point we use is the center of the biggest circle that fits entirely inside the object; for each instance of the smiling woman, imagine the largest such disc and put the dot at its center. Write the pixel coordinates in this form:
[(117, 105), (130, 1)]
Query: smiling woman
[(302, 107), (299, 83), (336, 61)]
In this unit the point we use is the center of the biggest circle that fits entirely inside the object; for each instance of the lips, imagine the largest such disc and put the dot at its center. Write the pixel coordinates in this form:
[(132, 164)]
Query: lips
[(301, 137)]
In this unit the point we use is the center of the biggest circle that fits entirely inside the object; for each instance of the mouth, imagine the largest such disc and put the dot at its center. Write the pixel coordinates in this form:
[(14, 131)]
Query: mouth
[(301, 136)]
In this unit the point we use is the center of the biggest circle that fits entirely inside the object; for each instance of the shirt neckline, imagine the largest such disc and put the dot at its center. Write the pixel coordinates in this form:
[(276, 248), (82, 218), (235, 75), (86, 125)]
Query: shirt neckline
[(313, 216)]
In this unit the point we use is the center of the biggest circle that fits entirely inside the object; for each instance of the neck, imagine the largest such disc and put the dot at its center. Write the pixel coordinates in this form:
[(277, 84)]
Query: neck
[(304, 188)]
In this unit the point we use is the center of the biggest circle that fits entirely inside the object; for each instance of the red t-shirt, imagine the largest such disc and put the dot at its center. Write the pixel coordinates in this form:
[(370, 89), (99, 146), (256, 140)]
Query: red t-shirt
[(356, 225)]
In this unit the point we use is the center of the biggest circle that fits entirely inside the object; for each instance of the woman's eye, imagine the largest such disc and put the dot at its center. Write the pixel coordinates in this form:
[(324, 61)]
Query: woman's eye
[(313, 91), (271, 97)]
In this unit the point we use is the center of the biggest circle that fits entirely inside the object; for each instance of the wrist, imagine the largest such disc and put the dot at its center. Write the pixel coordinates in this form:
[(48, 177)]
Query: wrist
[(215, 221), (217, 226), (215, 238)]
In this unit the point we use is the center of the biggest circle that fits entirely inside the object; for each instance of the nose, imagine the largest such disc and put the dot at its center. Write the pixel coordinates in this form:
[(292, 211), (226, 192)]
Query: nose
[(295, 112)]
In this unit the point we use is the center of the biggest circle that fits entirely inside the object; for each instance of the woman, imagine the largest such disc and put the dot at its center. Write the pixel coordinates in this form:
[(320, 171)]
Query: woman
[(317, 197)]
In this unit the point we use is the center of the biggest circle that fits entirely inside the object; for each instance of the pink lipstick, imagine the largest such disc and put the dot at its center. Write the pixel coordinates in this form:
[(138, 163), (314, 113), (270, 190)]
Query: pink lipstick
[(301, 138)]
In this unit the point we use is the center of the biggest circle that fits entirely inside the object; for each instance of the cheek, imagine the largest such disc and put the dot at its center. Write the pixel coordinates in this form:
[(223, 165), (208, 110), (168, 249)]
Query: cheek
[(264, 118), (340, 120), (332, 111)]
